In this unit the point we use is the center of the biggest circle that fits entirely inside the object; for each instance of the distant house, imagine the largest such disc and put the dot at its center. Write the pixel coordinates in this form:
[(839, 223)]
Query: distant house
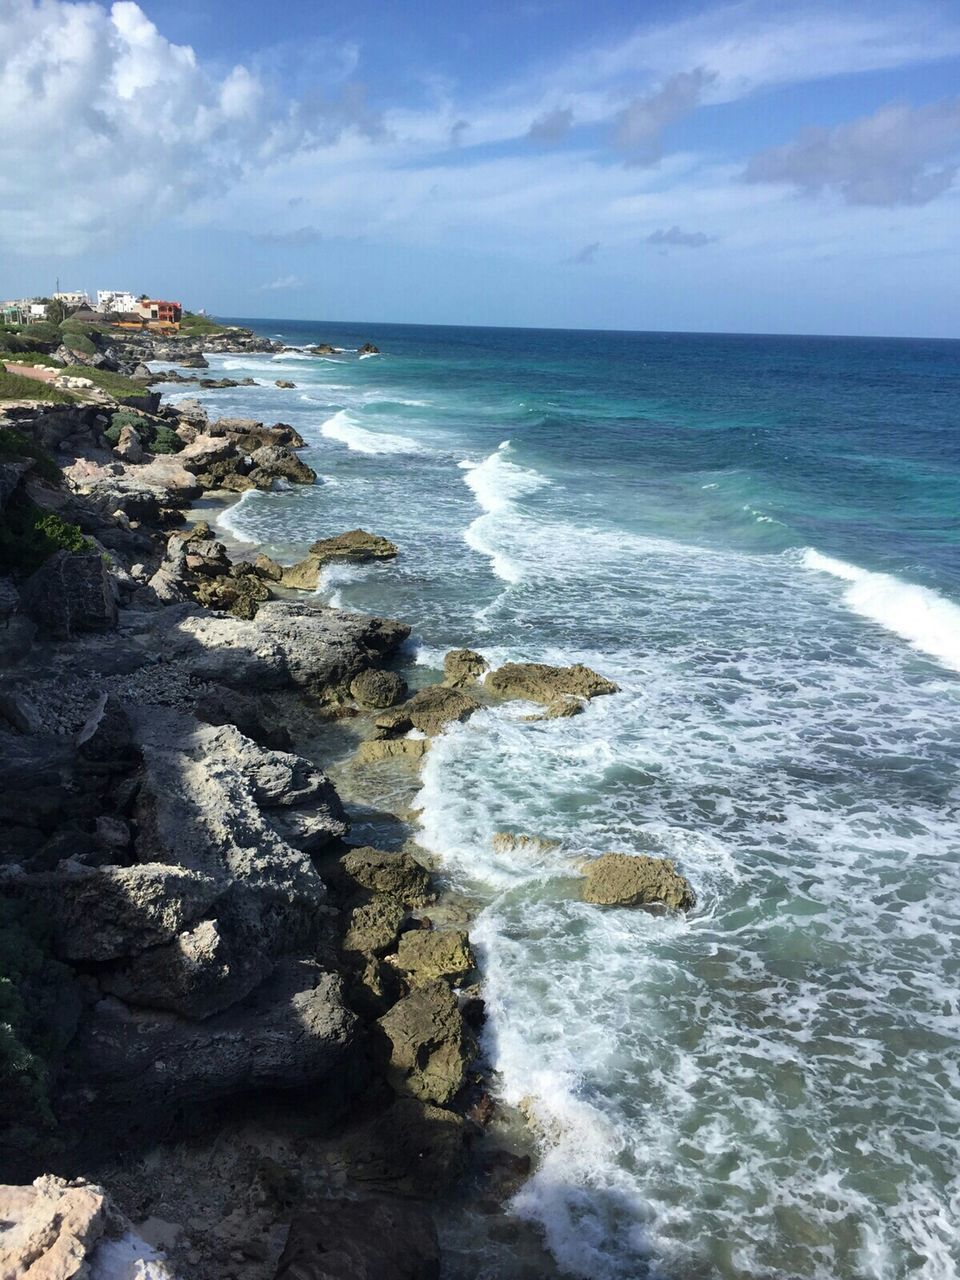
[(155, 311), (73, 298), (87, 315), (116, 300)]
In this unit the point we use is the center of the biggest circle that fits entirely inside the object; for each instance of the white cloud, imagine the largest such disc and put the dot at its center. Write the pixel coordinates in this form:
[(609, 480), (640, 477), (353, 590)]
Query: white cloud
[(640, 125), (116, 125), (283, 282), (897, 155)]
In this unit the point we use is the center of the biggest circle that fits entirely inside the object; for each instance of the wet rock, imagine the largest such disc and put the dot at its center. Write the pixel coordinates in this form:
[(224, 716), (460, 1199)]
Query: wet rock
[(409, 749), (268, 568), (559, 709), (323, 349), (368, 349), (378, 689), (355, 547), (70, 593), (397, 874), (276, 461), (537, 682), (463, 667), (509, 842), (285, 383), (435, 953), (621, 879), (413, 1148), (427, 1044), (429, 711), (361, 1240)]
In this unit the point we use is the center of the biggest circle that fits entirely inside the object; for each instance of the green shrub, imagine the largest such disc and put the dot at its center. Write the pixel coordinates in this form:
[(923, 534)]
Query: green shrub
[(42, 331), (14, 444), (29, 536), (14, 386), (112, 435), (38, 1015), (79, 342), (115, 384), (165, 440)]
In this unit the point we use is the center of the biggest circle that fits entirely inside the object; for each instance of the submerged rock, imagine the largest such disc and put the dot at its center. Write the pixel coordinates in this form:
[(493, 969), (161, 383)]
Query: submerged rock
[(429, 711), (412, 749), (538, 682), (560, 709), (355, 547), (621, 879), (462, 667), (508, 842), (427, 1044)]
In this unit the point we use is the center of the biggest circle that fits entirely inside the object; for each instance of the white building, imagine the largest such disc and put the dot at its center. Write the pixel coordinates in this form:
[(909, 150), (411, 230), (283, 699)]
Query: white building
[(73, 298), (116, 300)]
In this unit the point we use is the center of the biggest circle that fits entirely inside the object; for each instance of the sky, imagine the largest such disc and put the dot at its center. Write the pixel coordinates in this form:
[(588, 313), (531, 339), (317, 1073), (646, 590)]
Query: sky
[(743, 167)]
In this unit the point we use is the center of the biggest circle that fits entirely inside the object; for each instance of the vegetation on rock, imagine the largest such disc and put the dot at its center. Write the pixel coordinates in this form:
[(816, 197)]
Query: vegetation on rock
[(29, 536)]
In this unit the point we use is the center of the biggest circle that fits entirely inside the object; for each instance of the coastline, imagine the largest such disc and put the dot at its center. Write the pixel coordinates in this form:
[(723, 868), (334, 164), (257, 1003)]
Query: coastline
[(154, 1185)]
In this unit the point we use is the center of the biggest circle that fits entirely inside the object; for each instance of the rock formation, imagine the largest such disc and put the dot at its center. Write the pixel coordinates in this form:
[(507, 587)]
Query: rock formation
[(628, 880)]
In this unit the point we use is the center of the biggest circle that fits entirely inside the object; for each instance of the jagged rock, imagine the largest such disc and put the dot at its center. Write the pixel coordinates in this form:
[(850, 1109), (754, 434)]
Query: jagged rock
[(559, 709), (412, 749), (129, 446), (16, 629), (105, 913), (205, 451), (268, 568), (12, 472), (59, 1230), (294, 1029), (355, 547), (426, 954), (508, 842), (373, 688), (193, 360), (276, 460), (537, 682), (397, 874), (374, 926), (285, 383), (311, 648), (323, 349), (368, 349), (19, 712), (621, 879), (462, 667), (429, 710), (107, 734), (428, 1046), (198, 974), (411, 1149), (361, 1240), (70, 593)]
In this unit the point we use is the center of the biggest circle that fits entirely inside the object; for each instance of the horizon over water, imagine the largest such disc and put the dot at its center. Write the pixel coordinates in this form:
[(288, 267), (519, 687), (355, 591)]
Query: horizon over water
[(758, 539)]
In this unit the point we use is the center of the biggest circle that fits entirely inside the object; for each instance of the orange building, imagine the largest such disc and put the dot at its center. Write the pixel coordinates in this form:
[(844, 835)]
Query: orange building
[(152, 309)]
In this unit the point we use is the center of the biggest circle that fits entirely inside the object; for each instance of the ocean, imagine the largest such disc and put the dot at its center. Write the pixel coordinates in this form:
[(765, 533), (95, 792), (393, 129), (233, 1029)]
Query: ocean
[(758, 539)]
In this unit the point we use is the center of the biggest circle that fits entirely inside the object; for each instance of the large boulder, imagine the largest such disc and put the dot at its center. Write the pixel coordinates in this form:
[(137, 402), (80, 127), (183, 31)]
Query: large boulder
[(428, 1047), (397, 874), (276, 461), (355, 547), (59, 1230), (430, 710), (70, 593), (463, 667), (413, 1149), (361, 1240), (378, 689), (301, 645), (426, 954), (409, 750), (538, 682), (373, 927), (628, 880)]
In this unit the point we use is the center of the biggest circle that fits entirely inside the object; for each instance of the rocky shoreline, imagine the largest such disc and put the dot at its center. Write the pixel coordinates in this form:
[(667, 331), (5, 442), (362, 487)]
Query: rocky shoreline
[(235, 994)]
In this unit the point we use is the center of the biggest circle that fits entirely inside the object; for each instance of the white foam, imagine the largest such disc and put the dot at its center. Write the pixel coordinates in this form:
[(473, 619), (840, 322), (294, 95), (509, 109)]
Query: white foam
[(917, 614), (497, 484), (343, 428), (367, 355)]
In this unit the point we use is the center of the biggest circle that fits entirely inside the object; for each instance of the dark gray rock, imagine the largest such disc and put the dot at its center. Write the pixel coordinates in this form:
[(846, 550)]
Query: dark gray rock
[(361, 1240), (71, 593)]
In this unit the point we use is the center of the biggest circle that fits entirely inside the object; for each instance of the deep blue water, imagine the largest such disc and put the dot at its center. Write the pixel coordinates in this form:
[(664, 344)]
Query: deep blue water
[(758, 538)]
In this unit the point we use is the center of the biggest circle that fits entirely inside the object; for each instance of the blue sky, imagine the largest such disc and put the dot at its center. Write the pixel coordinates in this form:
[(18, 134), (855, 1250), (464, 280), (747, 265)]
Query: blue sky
[(747, 166)]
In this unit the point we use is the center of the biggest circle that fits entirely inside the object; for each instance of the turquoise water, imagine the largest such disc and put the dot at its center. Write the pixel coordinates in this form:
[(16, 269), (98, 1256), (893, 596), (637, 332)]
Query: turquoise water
[(759, 540)]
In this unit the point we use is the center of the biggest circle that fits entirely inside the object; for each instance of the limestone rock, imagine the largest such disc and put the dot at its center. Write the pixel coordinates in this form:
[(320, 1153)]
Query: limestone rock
[(374, 926), (463, 667), (508, 842), (355, 547), (268, 568), (621, 879), (71, 592), (429, 710), (284, 383), (129, 446), (274, 461), (323, 349), (426, 954), (361, 1240), (428, 1046), (368, 349), (413, 1149), (559, 709), (372, 688), (397, 874), (409, 749), (537, 682)]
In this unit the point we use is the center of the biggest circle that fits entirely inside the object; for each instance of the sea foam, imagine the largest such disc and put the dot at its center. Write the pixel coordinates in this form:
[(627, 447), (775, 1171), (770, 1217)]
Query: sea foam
[(343, 428), (917, 614), (498, 484)]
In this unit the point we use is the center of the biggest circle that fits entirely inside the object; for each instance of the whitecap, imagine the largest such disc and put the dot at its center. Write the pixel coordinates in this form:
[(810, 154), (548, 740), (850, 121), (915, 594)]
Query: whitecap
[(343, 428)]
